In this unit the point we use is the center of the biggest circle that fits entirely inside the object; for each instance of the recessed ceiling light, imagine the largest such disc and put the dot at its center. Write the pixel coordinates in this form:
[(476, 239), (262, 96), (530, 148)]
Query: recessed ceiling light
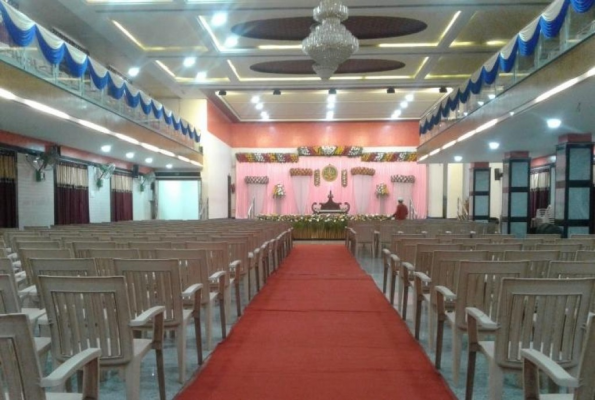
[(331, 98), (404, 104), (189, 61), (264, 114), (134, 71), (259, 106), (169, 166), (148, 160), (481, 103), (409, 97), (219, 19), (130, 155), (201, 76), (554, 123), (330, 115), (330, 106), (255, 99), (553, 158), (7, 95), (106, 148), (396, 114), (458, 158), (231, 41), (491, 96), (494, 145), (511, 113)]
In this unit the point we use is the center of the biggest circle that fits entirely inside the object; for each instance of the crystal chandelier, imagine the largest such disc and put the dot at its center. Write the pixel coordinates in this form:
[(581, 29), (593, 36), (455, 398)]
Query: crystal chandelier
[(329, 44)]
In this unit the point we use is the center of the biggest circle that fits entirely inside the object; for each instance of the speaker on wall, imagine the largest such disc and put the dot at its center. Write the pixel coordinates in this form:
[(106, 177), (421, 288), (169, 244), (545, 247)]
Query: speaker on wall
[(135, 170), (498, 174)]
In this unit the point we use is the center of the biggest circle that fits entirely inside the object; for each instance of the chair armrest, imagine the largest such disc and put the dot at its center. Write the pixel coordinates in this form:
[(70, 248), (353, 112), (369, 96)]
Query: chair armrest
[(409, 267), (217, 275), (191, 290), (483, 320), (423, 277), (446, 293), (145, 317), (395, 258), (61, 374), (250, 254), (386, 252), (234, 264), (550, 367)]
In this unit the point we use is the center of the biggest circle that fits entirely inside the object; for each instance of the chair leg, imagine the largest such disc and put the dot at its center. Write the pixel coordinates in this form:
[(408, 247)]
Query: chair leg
[(198, 335), (384, 279), (227, 303), (393, 282), (457, 349), (418, 304), (132, 378), (470, 374), (495, 381), (439, 340), (238, 299), (404, 301), (431, 320), (209, 325), (181, 347), (257, 270), (223, 321)]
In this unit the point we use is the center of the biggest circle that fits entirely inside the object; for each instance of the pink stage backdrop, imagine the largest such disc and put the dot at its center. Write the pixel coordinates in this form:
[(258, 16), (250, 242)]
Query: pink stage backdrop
[(279, 173)]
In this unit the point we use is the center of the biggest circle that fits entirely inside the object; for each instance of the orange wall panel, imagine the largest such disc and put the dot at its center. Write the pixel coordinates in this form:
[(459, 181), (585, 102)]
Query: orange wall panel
[(218, 124), (295, 134)]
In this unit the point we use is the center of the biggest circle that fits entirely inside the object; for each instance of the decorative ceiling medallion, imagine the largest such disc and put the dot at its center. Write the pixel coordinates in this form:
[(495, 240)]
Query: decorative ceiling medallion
[(298, 28), (304, 67)]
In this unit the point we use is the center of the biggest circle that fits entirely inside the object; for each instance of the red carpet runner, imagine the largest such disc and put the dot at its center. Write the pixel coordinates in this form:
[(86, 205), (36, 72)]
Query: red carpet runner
[(319, 330)]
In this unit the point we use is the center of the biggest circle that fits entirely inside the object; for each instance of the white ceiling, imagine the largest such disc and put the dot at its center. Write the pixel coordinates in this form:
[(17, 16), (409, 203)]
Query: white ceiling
[(458, 39)]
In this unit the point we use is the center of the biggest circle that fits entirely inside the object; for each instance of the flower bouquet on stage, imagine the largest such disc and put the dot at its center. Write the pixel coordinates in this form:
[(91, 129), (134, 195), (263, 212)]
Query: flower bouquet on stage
[(278, 194), (382, 194)]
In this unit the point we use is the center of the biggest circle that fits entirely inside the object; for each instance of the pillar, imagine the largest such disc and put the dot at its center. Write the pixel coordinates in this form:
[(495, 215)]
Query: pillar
[(479, 195), (574, 176), (515, 193)]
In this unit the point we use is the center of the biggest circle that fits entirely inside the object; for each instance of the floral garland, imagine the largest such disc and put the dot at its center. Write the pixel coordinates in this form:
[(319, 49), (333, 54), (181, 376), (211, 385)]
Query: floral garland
[(257, 180), (300, 172), (267, 157), (344, 178), (381, 190), (317, 177), (278, 191), (363, 171), (402, 179), (328, 151), (390, 157)]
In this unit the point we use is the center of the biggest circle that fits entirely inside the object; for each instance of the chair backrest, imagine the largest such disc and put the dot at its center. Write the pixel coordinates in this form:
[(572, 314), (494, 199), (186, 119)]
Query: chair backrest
[(153, 283), (85, 312), (396, 238), (586, 391), (479, 285), (496, 250), (407, 248), (20, 371), (9, 299), (147, 249), (585, 255), (572, 270), (39, 244), (104, 259), (539, 260), (81, 249), (544, 314), (470, 243), (424, 254), (193, 265), (28, 254), (567, 251), (218, 254), (445, 266)]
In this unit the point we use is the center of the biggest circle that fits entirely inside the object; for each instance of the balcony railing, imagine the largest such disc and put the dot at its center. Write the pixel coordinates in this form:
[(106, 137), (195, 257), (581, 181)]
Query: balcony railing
[(576, 28)]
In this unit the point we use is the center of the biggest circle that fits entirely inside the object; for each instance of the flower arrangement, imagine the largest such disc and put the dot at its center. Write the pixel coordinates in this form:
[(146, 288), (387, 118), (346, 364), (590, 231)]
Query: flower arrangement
[(389, 157), (317, 177), (328, 151), (278, 191), (267, 157), (344, 178), (300, 172), (381, 190), (363, 171), (257, 180), (402, 179)]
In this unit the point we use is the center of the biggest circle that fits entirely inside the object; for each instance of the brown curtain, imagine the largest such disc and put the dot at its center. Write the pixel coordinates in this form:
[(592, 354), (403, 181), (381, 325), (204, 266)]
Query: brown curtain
[(71, 194), (121, 197), (8, 190)]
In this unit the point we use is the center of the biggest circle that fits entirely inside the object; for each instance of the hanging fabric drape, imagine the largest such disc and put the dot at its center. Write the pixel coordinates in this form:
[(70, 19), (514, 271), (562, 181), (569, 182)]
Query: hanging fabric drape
[(301, 191), (71, 194), (8, 192), (539, 196), (121, 196), (363, 190)]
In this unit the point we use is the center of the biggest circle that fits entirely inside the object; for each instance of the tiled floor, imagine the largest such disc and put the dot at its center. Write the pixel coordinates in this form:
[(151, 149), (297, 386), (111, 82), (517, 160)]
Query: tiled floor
[(113, 387)]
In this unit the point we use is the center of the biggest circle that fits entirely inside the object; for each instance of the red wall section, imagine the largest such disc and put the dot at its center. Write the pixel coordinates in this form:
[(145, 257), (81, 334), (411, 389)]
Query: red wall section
[(295, 134), (218, 124)]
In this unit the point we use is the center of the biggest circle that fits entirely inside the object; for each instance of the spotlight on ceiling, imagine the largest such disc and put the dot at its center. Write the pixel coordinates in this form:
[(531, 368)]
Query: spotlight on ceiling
[(332, 91), (390, 90), (494, 145), (222, 93), (277, 92), (442, 89), (553, 123)]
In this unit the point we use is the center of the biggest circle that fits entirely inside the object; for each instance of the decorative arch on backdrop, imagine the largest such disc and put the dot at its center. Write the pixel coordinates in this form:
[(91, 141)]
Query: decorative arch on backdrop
[(301, 193)]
